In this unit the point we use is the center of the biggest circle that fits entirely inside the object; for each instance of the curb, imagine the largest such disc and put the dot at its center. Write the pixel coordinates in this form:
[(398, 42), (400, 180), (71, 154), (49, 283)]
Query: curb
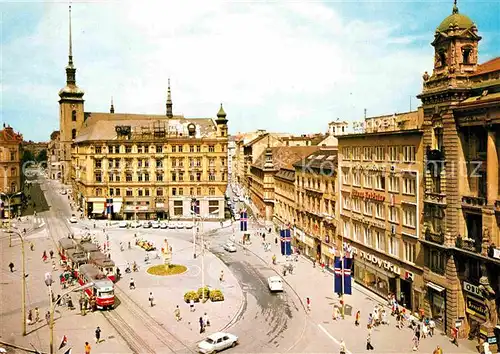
[(21, 348), (291, 287), (232, 321)]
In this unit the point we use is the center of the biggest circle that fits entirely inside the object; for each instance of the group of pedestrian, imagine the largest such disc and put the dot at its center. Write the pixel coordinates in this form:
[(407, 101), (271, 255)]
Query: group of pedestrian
[(204, 322)]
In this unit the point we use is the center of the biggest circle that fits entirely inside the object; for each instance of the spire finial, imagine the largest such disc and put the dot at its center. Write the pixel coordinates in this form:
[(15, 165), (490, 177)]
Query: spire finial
[(112, 108), (169, 101), (70, 54), (455, 7)]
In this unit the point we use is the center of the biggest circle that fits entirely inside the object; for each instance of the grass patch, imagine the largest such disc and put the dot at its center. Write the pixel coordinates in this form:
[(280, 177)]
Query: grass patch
[(163, 270)]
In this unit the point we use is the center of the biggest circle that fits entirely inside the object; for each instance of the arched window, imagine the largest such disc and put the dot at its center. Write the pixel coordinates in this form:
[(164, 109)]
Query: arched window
[(466, 54), (73, 133), (73, 116)]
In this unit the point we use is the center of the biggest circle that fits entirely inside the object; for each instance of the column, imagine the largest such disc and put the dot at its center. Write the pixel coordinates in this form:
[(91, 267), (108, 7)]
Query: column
[(492, 167)]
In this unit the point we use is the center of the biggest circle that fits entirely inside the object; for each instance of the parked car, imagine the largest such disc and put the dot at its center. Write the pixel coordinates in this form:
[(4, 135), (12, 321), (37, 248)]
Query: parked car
[(230, 247), (217, 342), (163, 225), (275, 283), (155, 225), (135, 224), (172, 225), (146, 224), (73, 219), (123, 224), (188, 225), (180, 225)]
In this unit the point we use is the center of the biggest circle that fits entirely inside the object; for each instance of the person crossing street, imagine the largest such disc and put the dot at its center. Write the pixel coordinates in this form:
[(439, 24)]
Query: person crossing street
[(151, 299)]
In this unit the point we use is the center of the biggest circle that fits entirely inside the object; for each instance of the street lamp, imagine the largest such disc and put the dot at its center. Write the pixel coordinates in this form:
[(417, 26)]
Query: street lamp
[(23, 280), (10, 213), (48, 282)]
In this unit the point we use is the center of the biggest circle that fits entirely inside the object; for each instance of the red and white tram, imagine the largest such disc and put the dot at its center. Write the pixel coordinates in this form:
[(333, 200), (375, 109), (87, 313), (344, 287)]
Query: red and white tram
[(66, 245), (105, 264), (103, 288)]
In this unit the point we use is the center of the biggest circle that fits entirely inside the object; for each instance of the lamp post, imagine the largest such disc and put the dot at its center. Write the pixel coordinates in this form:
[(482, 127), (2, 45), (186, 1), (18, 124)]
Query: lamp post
[(10, 213), (194, 214), (48, 282), (23, 281)]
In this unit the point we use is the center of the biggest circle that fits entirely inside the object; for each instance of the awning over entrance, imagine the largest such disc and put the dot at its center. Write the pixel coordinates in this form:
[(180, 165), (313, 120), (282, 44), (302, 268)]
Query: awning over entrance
[(97, 208), (436, 287), (117, 207)]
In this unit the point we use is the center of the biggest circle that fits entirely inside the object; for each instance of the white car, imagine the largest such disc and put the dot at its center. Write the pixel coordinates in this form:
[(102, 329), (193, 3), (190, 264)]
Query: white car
[(180, 225), (188, 225), (135, 224), (73, 219), (123, 224), (155, 225), (230, 247), (275, 283), (172, 225), (217, 342), (163, 225)]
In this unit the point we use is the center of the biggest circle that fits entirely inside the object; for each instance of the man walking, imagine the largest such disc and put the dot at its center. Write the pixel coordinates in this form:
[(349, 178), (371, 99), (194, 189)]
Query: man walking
[(132, 284), (37, 315), (47, 317), (177, 313), (97, 334), (202, 327), (369, 345), (11, 266), (151, 299), (87, 348)]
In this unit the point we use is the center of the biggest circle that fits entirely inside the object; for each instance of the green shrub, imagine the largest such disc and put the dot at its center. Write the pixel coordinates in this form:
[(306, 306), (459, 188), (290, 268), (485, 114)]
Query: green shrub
[(191, 295), (216, 295), (207, 292)]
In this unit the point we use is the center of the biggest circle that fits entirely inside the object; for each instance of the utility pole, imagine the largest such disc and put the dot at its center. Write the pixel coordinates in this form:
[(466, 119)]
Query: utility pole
[(9, 198), (23, 281), (202, 265), (342, 264), (193, 212)]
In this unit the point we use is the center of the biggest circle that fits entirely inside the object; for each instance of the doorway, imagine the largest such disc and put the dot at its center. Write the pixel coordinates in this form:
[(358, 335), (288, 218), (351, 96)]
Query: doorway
[(405, 288)]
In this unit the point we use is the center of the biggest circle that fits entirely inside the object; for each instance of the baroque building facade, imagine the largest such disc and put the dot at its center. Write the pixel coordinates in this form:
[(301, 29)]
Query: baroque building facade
[(461, 103), (10, 171), (141, 166)]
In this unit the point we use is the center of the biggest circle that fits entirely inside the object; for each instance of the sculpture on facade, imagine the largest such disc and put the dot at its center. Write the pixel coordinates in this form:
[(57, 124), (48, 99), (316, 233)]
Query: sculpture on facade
[(489, 299), (425, 76)]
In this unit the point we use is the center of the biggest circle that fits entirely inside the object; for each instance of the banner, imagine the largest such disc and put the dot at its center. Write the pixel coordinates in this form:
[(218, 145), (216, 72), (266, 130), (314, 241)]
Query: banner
[(108, 206), (243, 220), (342, 276), (64, 341), (286, 242), (195, 206)]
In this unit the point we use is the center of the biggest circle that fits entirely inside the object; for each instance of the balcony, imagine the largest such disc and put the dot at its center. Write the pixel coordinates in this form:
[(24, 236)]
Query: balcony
[(435, 198), (434, 236), (435, 154), (468, 244), (473, 202)]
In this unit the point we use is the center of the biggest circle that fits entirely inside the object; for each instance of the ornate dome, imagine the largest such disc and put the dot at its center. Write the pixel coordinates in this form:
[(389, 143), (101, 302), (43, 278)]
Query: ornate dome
[(456, 19)]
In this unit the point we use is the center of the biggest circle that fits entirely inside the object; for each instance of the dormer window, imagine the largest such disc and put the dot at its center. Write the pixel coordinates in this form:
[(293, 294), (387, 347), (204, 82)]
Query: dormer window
[(466, 55), (442, 58)]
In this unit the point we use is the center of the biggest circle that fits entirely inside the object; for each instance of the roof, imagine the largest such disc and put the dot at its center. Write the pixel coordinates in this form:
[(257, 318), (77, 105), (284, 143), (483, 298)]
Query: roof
[(321, 159), (455, 19), (285, 156), (286, 174), (102, 126), (55, 134), (7, 134), (487, 67)]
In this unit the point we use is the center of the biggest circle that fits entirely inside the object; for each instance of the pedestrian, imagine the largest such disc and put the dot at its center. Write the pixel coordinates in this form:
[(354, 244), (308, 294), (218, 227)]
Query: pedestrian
[(191, 305), (44, 256), (80, 302), (132, 284), (37, 314), (206, 320), (221, 278), (87, 348), (416, 338), (438, 350), (308, 302), (454, 335), (51, 254), (177, 313), (343, 348), (97, 334), (335, 313), (30, 317), (47, 317), (432, 325), (11, 266), (276, 240), (370, 321), (32, 246), (369, 345), (202, 327), (356, 321), (151, 299)]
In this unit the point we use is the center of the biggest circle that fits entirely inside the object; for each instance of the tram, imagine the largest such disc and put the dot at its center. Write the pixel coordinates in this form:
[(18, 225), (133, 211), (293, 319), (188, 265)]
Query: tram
[(65, 245), (103, 288), (104, 264)]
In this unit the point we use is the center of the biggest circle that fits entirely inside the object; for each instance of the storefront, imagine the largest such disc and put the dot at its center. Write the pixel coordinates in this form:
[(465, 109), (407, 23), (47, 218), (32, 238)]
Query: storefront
[(304, 243), (437, 303), (474, 308), (327, 255)]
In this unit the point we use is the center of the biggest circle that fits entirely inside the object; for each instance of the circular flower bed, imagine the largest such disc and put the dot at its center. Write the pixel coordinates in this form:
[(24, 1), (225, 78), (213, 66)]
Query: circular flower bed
[(163, 270)]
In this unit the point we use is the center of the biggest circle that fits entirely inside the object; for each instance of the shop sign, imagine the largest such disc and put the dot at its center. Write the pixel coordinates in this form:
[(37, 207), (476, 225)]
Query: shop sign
[(492, 340), (160, 205), (299, 234), (136, 208), (367, 221), (368, 195), (475, 307), (473, 289), (496, 253), (378, 261), (458, 323)]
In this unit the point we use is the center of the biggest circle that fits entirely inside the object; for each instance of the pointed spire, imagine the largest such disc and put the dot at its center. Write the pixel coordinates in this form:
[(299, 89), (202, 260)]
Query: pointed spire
[(70, 54), (268, 163), (169, 101), (70, 69), (221, 114), (455, 7), (112, 108)]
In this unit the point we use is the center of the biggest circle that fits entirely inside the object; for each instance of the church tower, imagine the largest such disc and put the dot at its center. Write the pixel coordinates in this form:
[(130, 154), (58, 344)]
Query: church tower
[(71, 112), (169, 104), (221, 122)]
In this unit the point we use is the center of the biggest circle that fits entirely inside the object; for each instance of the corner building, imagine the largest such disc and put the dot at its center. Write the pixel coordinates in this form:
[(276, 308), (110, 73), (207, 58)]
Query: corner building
[(461, 102), (146, 166), (380, 182)]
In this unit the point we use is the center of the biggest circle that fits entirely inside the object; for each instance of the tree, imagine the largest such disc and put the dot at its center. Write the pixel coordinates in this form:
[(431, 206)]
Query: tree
[(42, 156), (28, 156)]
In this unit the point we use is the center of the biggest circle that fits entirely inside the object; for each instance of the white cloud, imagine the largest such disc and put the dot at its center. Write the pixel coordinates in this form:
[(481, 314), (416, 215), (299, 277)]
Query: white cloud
[(265, 61)]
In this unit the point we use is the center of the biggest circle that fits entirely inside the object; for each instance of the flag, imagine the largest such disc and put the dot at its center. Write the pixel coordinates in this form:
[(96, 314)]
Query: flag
[(108, 206), (64, 341), (342, 276), (282, 241), (286, 242), (243, 220), (68, 351)]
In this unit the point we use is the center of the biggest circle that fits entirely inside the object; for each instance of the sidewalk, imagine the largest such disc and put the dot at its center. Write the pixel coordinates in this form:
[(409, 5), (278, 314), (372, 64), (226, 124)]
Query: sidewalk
[(307, 281)]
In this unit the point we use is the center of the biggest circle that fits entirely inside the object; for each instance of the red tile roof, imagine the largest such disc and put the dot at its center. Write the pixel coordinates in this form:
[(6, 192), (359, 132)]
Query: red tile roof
[(489, 66)]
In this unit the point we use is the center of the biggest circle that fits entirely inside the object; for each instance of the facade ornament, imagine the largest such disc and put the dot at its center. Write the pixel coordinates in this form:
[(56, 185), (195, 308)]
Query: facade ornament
[(425, 76), (489, 299)]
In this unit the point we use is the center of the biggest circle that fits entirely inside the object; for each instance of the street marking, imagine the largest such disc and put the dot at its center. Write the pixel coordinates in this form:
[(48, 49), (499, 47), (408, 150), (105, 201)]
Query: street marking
[(331, 337)]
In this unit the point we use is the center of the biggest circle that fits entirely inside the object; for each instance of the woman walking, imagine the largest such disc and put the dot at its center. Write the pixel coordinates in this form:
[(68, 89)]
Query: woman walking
[(356, 321), (369, 345)]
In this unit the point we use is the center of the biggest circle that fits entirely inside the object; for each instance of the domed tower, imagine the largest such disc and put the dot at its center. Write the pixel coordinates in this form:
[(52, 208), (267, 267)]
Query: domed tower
[(221, 122), (455, 45)]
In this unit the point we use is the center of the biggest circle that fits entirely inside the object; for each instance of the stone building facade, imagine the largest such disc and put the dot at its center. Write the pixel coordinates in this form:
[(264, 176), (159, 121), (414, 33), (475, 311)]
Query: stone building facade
[(380, 191), (10, 171), (461, 234)]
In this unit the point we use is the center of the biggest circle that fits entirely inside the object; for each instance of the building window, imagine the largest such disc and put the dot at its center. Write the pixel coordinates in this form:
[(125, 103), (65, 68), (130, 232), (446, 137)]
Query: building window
[(73, 116), (356, 205), (98, 149), (409, 185), (379, 153), (393, 214), (213, 206), (409, 216), (98, 177), (393, 183), (466, 55), (128, 177), (129, 193), (393, 245), (367, 179), (159, 192), (159, 149), (98, 192), (111, 192), (379, 210), (73, 133), (211, 148), (211, 191), (379, 181), (409, 153), (198, 148), (13, 172), (146, 177), (211, 176), (174, 176), (178, 208), (13, 156), (174, 191), (128, 149), (347, 229), (139, 177), (368, 210), (367, 153), (356, 178), (198, 191), (345, 176), (368, 236), (159, 163), (438, 138), (139, 192), (181, 191), (380, 240), (346, 153), (410, 252), (198, 176), (146, 192), (117, 192), (435, 260), (191, 148), (393, 154), (357, 232), (191, 191)]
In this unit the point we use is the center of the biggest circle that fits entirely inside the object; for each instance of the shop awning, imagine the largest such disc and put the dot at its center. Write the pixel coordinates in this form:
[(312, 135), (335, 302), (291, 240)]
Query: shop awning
[(117, 207), (436, 287), (97, 208)]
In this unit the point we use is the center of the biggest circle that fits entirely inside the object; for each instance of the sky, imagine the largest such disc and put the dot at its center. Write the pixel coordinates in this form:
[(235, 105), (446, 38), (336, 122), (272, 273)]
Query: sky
[(285, 66)]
